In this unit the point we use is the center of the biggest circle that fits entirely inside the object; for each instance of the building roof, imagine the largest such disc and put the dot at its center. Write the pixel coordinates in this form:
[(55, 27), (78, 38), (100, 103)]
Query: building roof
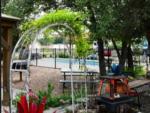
[(9, 17)]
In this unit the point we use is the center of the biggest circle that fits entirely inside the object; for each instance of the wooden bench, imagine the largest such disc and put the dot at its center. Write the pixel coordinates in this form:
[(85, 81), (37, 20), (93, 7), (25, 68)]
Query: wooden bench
[(140, 85), (19, 66)]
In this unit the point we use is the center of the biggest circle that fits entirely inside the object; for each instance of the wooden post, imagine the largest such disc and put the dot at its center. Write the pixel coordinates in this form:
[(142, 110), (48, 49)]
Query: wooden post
[(20, 76), (6, 64)]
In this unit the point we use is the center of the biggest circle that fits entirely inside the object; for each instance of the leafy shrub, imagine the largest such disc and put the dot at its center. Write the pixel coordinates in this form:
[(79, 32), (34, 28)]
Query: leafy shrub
[(62, 55), (137, 71), (53, 101)]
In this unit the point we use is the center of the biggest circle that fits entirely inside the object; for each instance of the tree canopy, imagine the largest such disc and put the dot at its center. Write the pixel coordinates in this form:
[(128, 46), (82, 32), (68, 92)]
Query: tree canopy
[(126, 21)]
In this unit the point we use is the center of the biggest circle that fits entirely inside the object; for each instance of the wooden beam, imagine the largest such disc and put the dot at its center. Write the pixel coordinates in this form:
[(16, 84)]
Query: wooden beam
[(4, 43), (6, 65), (5, 24)]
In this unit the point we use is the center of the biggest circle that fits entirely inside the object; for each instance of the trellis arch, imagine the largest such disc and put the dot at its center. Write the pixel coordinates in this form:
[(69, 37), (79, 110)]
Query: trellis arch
[(66, 18)]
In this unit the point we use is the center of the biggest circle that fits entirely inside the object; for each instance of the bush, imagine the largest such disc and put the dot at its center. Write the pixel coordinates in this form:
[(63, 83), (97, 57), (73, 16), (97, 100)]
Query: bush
[(62, 55), (56, 101), (138, 71), (53, 101)]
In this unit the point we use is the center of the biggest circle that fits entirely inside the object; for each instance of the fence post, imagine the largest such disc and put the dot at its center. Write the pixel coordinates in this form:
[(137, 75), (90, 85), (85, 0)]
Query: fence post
[(36, 57), (64, 51), (43, 52), (55, 57)]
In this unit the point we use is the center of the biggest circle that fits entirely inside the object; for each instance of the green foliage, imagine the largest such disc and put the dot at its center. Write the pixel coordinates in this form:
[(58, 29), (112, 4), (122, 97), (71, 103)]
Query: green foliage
[(138, 71), (73, 19), (52, 101), (137, 51), (58, 40), (82, 47), (55, 101), (62, 55), (46, 41), (19, 8)]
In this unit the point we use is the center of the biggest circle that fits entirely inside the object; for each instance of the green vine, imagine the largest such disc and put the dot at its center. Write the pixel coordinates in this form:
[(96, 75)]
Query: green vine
[(65, 16)]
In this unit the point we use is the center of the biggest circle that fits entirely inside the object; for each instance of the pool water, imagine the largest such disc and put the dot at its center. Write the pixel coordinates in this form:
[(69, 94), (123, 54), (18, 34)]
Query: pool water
[(76, 61), (64, 63)]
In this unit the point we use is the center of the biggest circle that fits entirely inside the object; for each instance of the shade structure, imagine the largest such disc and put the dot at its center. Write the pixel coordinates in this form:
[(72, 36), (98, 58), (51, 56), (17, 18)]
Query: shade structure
[(8, 23)]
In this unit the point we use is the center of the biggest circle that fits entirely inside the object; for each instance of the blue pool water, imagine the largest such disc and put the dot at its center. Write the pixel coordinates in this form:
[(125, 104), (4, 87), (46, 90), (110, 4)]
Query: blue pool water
[(64, 63), (76, 61)]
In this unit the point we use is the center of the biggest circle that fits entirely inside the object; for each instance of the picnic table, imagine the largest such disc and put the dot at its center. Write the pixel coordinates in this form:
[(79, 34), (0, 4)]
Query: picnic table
[(88, 74), (140, 85), (79, 73)]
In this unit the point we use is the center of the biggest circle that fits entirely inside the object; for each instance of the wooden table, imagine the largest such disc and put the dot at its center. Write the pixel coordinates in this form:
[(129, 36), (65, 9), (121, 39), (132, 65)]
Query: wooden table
[(138, 83), (140, 86)]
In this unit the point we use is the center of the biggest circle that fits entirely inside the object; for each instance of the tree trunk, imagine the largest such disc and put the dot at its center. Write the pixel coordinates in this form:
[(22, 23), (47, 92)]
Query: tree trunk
[(148, 39), (130, 58), (116, 48), (102, 67), (123, 57)]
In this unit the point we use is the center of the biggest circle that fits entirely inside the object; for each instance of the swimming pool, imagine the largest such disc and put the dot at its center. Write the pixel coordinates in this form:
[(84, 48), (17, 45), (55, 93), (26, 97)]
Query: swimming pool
[(76, 61), (64, 63)]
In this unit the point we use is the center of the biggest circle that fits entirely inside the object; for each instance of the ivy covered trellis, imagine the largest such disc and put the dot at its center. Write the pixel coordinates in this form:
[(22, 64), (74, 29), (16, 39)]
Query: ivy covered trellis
[(65, 16)]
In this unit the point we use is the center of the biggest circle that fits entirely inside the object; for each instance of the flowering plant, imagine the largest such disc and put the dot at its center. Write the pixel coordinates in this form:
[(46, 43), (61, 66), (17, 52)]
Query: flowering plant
[(30, 107)]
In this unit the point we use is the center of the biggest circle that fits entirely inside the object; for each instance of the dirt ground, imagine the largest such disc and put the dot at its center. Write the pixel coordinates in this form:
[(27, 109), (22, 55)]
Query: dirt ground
[(39, 79), (145, 101)]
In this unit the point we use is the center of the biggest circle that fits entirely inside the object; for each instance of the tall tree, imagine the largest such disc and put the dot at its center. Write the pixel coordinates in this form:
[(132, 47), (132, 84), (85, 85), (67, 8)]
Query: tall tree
[(127, 28), (98, 20)]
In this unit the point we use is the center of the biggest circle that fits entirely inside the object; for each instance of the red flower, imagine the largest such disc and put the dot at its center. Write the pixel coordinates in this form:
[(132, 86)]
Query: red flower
[(31, 107)]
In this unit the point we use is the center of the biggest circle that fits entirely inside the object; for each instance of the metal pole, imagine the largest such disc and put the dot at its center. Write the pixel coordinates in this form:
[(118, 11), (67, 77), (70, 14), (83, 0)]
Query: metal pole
[(85, 72), (70, 57), (43, 52), (55, 57), (36, 57), (64, 51), (72, 89), (0, 64), (11, 64)]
